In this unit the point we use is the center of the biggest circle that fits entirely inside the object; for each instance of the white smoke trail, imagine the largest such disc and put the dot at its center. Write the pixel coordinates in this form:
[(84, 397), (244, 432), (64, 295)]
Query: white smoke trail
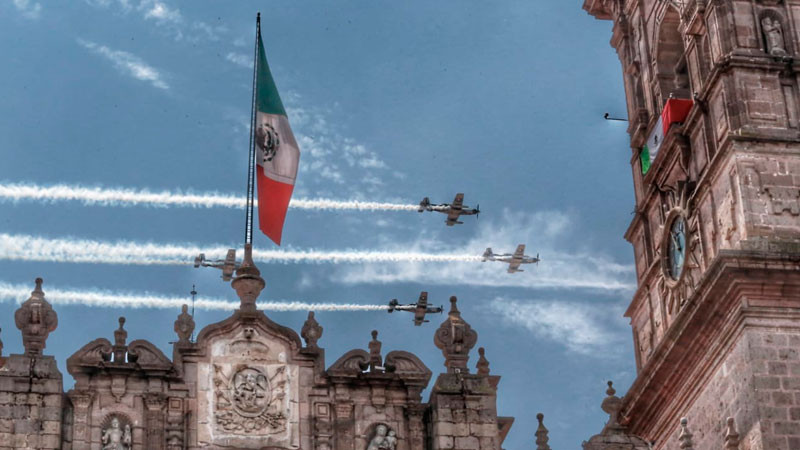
[(31, 248), (98, 298), (16, 192)]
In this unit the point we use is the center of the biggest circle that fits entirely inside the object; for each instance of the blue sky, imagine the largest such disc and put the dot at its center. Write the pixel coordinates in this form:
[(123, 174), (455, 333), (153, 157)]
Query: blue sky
[(390, 101)]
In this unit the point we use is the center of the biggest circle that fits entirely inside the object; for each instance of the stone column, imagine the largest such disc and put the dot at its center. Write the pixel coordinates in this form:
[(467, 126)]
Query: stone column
[(81, 412)]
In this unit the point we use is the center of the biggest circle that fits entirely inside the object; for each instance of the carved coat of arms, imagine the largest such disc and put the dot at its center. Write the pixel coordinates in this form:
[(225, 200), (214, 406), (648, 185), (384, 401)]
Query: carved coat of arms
[(250, 400)]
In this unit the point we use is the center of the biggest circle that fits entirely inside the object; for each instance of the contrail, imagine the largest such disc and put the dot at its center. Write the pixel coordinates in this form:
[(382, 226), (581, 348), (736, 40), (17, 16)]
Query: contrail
[(16, 192), (32, 248), (99, 298)]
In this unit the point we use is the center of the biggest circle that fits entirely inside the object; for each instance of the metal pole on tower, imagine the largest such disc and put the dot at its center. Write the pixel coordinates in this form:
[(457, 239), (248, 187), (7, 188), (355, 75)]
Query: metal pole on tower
[(248, 227), (194, 295)]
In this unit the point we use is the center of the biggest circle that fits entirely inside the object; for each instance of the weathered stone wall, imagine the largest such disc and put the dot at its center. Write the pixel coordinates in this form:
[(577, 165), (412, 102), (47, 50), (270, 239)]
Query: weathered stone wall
[(31, 398), (464, 413)]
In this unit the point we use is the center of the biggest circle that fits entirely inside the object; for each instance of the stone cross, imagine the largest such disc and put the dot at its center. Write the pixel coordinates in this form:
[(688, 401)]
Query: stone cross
[(455, 338), (36, 319)]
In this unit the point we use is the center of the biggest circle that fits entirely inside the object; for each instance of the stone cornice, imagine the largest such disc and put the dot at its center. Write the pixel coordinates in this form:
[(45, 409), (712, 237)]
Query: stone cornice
[(706, 327)]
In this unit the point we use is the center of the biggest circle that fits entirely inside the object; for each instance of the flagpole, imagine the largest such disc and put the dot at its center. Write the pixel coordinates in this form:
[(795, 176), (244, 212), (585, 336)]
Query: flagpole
[(248, 227)]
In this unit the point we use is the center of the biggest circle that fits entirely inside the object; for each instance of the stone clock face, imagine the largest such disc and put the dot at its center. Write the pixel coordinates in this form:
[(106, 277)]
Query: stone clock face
[(676, 247)]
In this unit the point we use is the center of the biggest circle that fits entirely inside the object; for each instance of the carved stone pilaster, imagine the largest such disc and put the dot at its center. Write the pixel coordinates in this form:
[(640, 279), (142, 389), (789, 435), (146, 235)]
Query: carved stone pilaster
[(81, 410), (36, 320), (175, 437), (154, 421), (323, 427), (416, 426)]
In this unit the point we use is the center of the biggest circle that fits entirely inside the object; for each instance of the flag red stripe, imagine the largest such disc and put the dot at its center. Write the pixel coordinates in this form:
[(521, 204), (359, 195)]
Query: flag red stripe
[(273, 202)]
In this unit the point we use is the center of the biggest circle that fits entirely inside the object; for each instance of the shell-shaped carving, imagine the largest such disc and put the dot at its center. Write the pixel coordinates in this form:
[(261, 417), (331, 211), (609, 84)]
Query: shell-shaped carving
[(349, 363), (407, 364), (148, 356), (92, 354)]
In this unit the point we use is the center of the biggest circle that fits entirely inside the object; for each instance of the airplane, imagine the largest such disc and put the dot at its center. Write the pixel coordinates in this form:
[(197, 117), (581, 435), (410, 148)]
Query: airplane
[(228, 265), (453, 210), (419, 309), (513, 260)]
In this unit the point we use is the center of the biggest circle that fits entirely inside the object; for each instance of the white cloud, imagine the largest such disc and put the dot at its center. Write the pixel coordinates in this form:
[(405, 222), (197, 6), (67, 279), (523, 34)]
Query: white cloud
[(240, 59), (128, 63), (562, 266), (159, 11), (582, 328), (28, 9)]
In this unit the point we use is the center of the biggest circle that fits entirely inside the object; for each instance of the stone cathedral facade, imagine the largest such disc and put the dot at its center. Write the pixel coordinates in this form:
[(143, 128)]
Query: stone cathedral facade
[(244, 383), (714, 120)]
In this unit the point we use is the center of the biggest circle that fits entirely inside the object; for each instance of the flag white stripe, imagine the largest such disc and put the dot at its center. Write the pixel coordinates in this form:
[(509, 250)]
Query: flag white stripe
[(100, 298), (32, 248), (131, 197)]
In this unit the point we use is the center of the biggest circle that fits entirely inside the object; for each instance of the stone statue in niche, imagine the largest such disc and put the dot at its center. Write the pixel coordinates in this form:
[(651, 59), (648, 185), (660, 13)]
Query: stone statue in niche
[(115, 437), (385, 439), (773, 35)]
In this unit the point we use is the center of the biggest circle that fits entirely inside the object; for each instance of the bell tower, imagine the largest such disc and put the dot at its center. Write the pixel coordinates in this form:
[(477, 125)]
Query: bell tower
[(712, 98)]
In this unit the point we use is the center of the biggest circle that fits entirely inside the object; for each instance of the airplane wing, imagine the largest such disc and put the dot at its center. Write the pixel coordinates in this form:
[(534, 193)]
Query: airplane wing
[(458, 202), (513, 266), (520, 252)]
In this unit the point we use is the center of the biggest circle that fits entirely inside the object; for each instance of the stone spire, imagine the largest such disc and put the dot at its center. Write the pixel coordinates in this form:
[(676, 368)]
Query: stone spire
[(455, 338), (36, 320), (483, 363), (731, 435), (685, 437), (248, 282), (541, 434), (311, 331)]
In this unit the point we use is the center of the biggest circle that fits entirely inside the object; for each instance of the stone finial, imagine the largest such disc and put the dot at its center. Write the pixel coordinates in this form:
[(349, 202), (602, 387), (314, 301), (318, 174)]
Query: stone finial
[(375, 358), (36, 319), (612, 405), (731, 435), (541, 434), (685, 437), (483, 363), (455, 338), (184, 325), (311, 331), (248, 282), (120, 341)]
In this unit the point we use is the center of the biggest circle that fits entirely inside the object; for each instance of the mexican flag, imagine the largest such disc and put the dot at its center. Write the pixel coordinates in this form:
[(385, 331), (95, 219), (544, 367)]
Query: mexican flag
[(277, 153), (650, 150)]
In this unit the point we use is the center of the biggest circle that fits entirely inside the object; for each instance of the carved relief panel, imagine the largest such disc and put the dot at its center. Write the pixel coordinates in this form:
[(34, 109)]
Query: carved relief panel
[(770, 191), (248, 393)]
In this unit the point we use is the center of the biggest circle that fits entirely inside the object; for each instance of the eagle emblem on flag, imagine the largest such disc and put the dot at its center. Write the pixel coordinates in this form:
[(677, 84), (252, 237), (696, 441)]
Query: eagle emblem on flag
[(267, 140)]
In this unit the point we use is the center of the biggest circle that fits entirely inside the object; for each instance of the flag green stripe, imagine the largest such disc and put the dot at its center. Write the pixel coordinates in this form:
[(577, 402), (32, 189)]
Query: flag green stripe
[(644, 156), (267, 98)]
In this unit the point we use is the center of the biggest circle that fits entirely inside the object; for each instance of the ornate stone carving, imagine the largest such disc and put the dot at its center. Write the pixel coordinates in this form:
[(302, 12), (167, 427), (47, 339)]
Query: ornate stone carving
[(375, 358), (120, 338), (184, 325), (685, 437), (250, 400), (36, 320), (383, 438), (116, 436), (455, 338), (731, 435), (311, 331), (772, 29)]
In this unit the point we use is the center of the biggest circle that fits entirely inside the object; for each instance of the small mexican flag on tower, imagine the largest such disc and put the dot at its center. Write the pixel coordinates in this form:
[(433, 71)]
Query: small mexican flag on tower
[(276, 152)]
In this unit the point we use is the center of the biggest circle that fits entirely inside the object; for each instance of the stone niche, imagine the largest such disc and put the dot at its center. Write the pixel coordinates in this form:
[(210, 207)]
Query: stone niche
[(247, 391)]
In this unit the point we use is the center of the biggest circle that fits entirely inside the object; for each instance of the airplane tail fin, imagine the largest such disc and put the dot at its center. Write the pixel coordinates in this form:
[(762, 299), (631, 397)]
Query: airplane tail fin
[(392, 305), (424, 204), (199, 260), (487, 254)]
